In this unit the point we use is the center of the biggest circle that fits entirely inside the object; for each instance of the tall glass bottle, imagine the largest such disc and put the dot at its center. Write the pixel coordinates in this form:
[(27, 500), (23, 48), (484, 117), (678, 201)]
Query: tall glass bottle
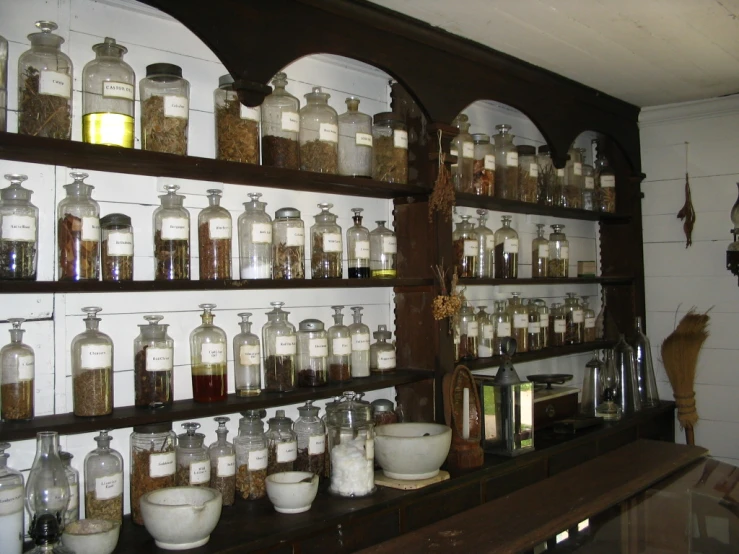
[(311, 434), (360, 335), (547, 176), (483, 171), (116, 248), (557, 325), (539, 253), (605, 182), (319, 134), (646, 381), (288, 245), (390, 148), (463, 147), (171, 237), (208, 355), (78, 232), (534, 328), (312, 358), (3, 85), (251, 456), (588, 333), (506, 163), (214, 239), (165, 109), (486, 331), (18, 231), (92, 368), (503, 327), (280, 345), (609, 407), (382, 352), (485, 245), (153, 352), (17, 367), (104, 481), (625, 362), (358, 247), (466, 247), (543, 322), (280, 126), (355, 141), (12, 528), (528, 174), (506, 252), (466, 334), (255, 240), (326, 245), (223, 463), (237, 125), (247, 359), (519, 321), (72, 513), (339, 349), (559, 253), (575, 320), (589, 199), (193, 461), (383, 252), (47, 490), (152, 462), (572, 190)]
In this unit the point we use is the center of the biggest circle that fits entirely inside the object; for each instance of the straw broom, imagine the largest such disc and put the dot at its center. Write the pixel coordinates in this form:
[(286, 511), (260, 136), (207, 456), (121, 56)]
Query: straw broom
[(680, 353)]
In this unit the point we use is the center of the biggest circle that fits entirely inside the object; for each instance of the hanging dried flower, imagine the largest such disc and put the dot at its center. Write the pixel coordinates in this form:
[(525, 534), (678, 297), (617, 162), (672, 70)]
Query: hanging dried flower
[(442, 198), (448, 303)]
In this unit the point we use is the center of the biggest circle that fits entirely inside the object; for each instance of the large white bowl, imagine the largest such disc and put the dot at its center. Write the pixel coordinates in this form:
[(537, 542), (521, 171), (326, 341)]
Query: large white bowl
[(412, 451), (181, 517), (91, 536), (288, 494)]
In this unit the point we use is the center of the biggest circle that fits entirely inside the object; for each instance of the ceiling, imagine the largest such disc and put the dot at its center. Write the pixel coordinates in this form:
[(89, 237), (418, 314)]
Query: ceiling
[(647, 52)]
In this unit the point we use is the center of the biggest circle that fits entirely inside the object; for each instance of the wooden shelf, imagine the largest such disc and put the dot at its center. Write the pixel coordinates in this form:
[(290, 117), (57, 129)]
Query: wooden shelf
[(129, 416), (614, 280), (554, 352)]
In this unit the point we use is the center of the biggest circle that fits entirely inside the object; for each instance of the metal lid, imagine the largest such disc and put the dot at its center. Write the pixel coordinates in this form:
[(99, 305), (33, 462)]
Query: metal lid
[(480, 137), (290, 213), (115, 220), (225, 81), (311, 325), (544, 149), (164, 69), (388, 116), (507, 375), (153, 428), (526, 150), (383, 405)]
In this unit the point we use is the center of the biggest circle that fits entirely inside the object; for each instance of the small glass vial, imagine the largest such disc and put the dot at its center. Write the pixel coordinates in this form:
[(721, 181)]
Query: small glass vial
[(463, 147), (251, 456), (171, 237), (193, 461), (288, 245), (153, 462), (319, 134), (153, 352), (92, 368), (383, 252), (575, 319), (223, 463), (339, 349), (214, 239), (280, 126), (116, 248), (486, 247), (17, 373), (12, 493), (282, 444), (78, 232), (506, 164), (326, 245), (104, 481), (360, 335), (589, 198), (534, 327), (547, 176), (605, 182), (466, 334), (311, 435), (237, 125), (355, 141), (506, 252), (486, 333), (528, 174), (483, 169), (4, 93), (72, 513), (45, 86), (390, 148), (165, 109), (255, 240), (519, 322), (382, 352), (572, 190), (108, 90), (541, 305), (18, 231), (312, 357), (280, 347), (557, 325), (466, 248), (559, 253), (539, 253), (247, 360), (208, 355), (358, 247), (503, 327), (588, 321)]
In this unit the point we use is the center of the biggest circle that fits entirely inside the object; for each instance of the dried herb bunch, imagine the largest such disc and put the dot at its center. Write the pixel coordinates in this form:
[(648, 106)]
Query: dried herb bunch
[(161, 133), (443, 197), (42, 115), (251, 484), (16, 400), (215, 255), (172, 258), (389, 163), (319, 156), (141, 482), (152, 388), (288, 261), (483, 180), (17, 259), (93, 392), (78, 259), (448, 303), (280, 152), (324, 265), (237, 140), (110, 509)]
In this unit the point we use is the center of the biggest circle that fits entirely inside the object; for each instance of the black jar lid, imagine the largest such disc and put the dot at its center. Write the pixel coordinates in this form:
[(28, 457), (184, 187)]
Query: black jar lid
[(384, 117), (526, 150), (153, 428), (164, 69), (115, 220), (544, 149)]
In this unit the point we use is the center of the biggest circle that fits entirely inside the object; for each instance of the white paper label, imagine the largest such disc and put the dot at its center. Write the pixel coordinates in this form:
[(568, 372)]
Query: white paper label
[(19, 227), (287, 452), (472, 329), (510, 246), (589, 183), (26, 367), (471, 247), (74, 496), (504, 329), (400, 139), (341, 346), (468, 150), (120, 243), (95, 356), (316, 444), (318, 348), (544, 320), (295, 236), (176, 106), (607, 181), (361, 249), (161, 465), (543, 251), (257, 459), (488, 332), (252, 114), (290, 122), (175, 228), (386, 359), (534, 327), (91, 229), (213, 353), (564, 252), (577, 168), (332, 242), (490, 162), (560, 173), (219, 228), (560, 325), (113, 89), (590, 323), (328, 132), (159, 359), (453, 152), (490, 242), (249, 354), (200, 472), (53, 83), (226, 466), (511, 159), (109, 486), (389, 245), (520, 321), (360, 342), (533, 170), (363, 139), (261, 233), (11, 501), (577, 316), (286, 346)]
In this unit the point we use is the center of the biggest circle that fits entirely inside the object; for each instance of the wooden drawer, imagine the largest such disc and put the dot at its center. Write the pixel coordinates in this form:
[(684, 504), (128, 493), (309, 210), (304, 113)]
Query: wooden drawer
[(549, 410)]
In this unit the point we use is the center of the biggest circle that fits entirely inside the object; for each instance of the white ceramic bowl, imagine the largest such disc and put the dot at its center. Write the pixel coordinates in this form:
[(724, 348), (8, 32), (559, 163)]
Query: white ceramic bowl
[(404, 452), (288, 495), (181, 517), (91, 536)]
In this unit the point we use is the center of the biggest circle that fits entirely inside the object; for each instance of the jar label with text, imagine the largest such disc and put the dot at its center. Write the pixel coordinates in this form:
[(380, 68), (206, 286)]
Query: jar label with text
[(175, 228), (504, 329), (328, 132), (489, 242), (91, 229), (363, 139), (251, 114), (316, 445), (18, 227), (176, 106), (590, 323), (510, 246), (533, 170), (564, 252), (400, 139), (249, 354), (159, 359), (200, 472), (589, 183), (560, 172), (360, 342), (361, 249), (219, 228), (488, 331), (471, 247), (110, 486), (534, 327), (290, 122), (520, 321), (386, 359), (490, 162), (577, 168), (286, 346), (162, 465), (11, 500), (53, 83), (560, 325), (287, 452), (577, 316), (257, 459), (607, 181), (120, 243), (332, 242), (317, 348), (544, 320), (226, 466), (472, 329), (261, 233), (341, 346), (95, 356), (295, 236), (26, 367), (511, 159), (213, 353), (113, 89), (389, 245), (453, 152), (468, 150), (543, 251)]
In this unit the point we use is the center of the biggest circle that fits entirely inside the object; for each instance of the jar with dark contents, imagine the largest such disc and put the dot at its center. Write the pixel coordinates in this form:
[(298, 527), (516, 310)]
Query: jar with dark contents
[(483, 170), (506, 164), (503, 329), (153, 462), (384, 412), (153, 365), (339, 349), (519, 321), (171, 237), (466, 248), (78, 232), (528, 174), (282, 444), (251, 456), (534, 327), (390, 148), (116, 249), (280, 126), (312, 359), (539, 253), (506, 252), (280, 346), (575, 320), (466, 334), (311, 434)]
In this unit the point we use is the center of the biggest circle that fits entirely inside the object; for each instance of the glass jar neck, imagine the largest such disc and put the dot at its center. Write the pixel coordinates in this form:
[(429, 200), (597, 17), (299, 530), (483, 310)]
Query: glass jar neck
[(16, 335), (352, 105), (540, 232), (357, 316), (639, 324), (214, 200), (78, 190), (47, 444), (245, 326), (207, 319), (92, 323), (339, 319)]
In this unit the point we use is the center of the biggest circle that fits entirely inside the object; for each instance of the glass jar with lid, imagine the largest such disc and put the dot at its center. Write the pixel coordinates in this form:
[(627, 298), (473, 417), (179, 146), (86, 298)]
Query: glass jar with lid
[(506, 251), (18, 231), (605, 182), (360, 335), (506, 164), (237, 125), (355, 141), (383, 252), (222, 456), (92, 368), (247, 360), (503, 327), (311, 434), (466, 334), (463, 147), (485, 245), (78, 231), (288, 245), (12, 493), (339, 349), (326, 245), (72, 513), (208, 355), (193, 461), (519, 321), (539, 253), (358, 247), (382, 352), (312, 359), (534, 328), (171, 237), (384, 412), (559, 253), (572, 190), (575, 319), (153, 462), (541, 305), (3, 85), (280, 347), (282, 444), (389, 148), (108, 91), (153, 352), (116, 248), (589, 198), (165, 109), (483, 169), (588, 326), (104, 481), (214, 239), (319, 134), (547, 176), (528, 174), (17, 374), (45, 86), (558, 325), (280, 126), (466, 248), (486, 332), (255, 239), (251, 456)]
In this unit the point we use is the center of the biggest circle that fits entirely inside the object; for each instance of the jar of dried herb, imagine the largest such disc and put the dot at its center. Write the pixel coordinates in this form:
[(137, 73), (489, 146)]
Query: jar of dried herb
[(605, 182), (589, 334), (247, 360), (389, 148), (18, 231), (326, 245), (280, 347), (339, 349), (165, 109), (319, 134), (312, 359), (506, 164), (571, 196), (17, 372), (171, 237), (311, 434), (506, 251), (575, 320), (519, 315), (539, 253), (104, 481), (255, 240), (282, 444), (153, 462), (463, 148), (237, 125), (485, 246), (92, 368), (589, 198), (503, 329), (78, 232), (360, 335), (543, 321), (528, 174), (383, 252), (214, 239), (466, 333), (559, 253), (358, 247), (45, 86), (382, 352), (547, 176), (193, 461), (466, 248), (288, 245), (483, 169), (280, 126), (355, 141), (223, 464), (3, 84), (208, 357), (251, 456), (486, 333), (116, 249), (153, 352)]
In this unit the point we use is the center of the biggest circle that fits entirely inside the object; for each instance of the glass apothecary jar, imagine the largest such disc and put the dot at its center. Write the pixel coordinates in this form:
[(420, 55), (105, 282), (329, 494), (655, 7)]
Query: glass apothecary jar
[(193, 461), (519, 315), (506, 164), (282, 444), (558, 325), (45, 86), (72, 513), (574, 318), (312, 360), (208, 355), (288, 245), (486, 333), (247, 360), (251, 457), (214, 239), (572, 191), (280, 348), (384, 412), (255, 240), (588, 326), (311, 435), (528, 174), (605, 182), (503, 327), (153, 352), (360, 335), (534, 327), (3, 85), (541, 305), (483, 169), (390, 148), (237, 126), (382, 352), (383, 252), (78, 231), (355, 141), (466, 334), (589, 198), (153, 462), (463, 147), (92, 368), (319, 134), (559, 253), (280, 126), (165, 109), (539, 253), (486, 246), (223, 463), (506, 251), (17, 374), (466, 248), (18, 231), (547, 176), (104, 481), (171, 237), (326, 245), (339, 349), (358, 247), (116, 249), (12, 493), (108, 90)]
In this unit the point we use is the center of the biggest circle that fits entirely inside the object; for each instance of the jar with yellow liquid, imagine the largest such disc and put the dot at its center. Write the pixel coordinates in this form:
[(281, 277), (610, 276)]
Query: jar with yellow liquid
[(109, 86)]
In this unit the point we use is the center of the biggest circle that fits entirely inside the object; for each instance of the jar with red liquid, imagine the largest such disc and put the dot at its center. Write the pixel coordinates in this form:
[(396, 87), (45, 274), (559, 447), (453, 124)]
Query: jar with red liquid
[(208, 359)]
